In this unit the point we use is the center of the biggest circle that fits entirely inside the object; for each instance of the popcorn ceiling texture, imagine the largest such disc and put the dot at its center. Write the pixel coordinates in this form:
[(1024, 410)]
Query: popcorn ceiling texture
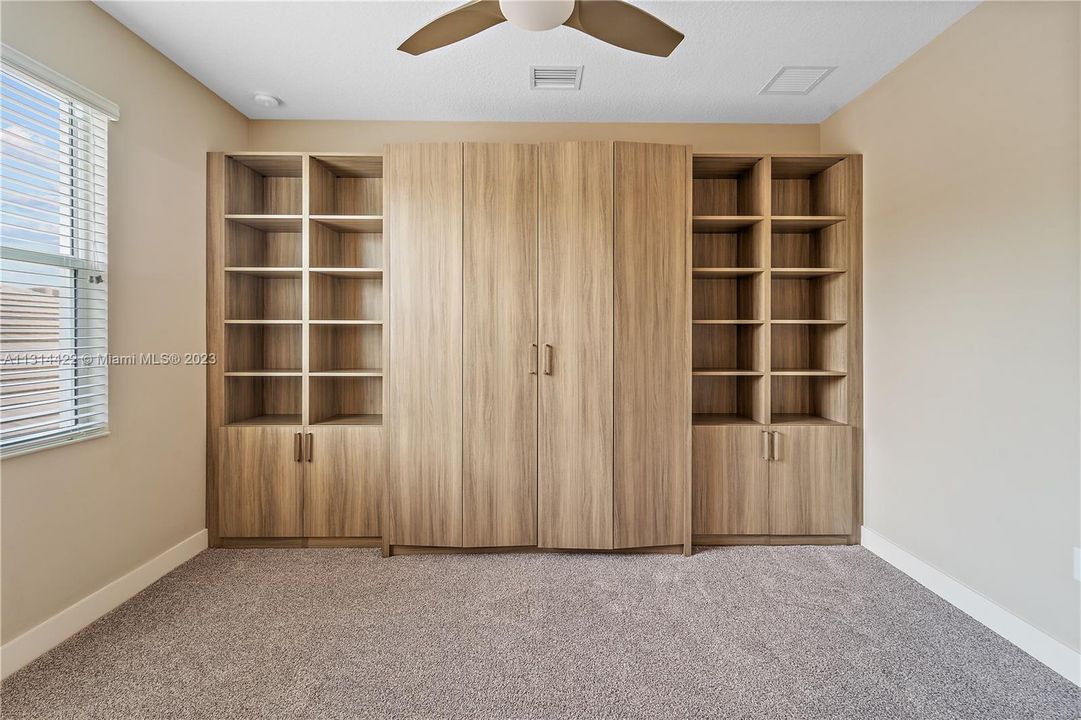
[(744, 632)]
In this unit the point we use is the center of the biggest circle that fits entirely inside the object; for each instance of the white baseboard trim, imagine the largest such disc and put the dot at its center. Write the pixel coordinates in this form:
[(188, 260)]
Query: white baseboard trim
[(41, 638), (1052, 653)]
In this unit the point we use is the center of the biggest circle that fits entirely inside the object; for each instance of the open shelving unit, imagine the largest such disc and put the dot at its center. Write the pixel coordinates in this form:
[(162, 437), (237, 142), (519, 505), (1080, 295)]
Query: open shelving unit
[(809, 291), (303, 292), (730, 261), (771, 289)]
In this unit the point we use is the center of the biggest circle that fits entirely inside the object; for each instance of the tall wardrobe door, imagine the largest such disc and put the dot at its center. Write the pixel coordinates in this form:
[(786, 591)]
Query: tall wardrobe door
[(574, 503), (422, 207), (652, 346), (499, 472)]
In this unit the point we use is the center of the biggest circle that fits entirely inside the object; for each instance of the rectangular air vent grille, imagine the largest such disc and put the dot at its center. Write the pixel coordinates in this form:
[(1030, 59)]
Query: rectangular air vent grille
[(797, 80), (568, 77)]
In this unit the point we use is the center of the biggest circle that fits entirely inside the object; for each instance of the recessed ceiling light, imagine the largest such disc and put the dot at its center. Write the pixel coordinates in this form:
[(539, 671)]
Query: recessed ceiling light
[(266, 100)]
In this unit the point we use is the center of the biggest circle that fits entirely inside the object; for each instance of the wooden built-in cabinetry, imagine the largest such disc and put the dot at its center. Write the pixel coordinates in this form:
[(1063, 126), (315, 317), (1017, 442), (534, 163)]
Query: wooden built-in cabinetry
[(295, 321), (777, 371), (580, 345), (538, 335)]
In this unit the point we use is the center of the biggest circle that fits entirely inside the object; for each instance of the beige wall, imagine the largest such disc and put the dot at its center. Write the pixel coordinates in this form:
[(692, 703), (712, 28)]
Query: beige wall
[(971, 305), (365, 137), (77, 517)]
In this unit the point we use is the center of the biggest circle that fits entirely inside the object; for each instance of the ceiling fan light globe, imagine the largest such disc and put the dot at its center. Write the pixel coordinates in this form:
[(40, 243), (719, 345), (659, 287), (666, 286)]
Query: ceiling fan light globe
[(536, 15)]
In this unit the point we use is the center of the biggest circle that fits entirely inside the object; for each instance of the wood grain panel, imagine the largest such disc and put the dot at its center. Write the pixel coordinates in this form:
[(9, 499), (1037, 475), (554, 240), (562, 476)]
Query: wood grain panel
[(284, 164), (791, 196), (345, 348), (250, 297), (731, 481), (260, 191), (423, 207), (253, 348), (499, 475), (215, 332), (337, 188), (345, 400), (652, 418), (344, 481), (246, 246), (259, 482), (330, 248), (842, 189), (345, 298), (810, 481), (574, 503)]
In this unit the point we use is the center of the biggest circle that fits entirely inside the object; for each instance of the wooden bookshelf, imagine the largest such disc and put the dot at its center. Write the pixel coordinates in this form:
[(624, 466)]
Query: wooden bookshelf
[(302, 290), (729, 276), (776, 344), (810, 293)]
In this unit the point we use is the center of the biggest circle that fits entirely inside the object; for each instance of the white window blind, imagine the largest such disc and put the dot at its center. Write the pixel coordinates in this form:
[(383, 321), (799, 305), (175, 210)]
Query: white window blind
[(54, 376)]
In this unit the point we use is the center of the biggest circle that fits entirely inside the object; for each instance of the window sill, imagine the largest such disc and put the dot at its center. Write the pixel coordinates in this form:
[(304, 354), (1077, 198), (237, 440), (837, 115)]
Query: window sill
[(17, 451)]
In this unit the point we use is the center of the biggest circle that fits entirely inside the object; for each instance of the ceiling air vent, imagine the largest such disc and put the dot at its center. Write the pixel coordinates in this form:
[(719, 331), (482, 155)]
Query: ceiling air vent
[(796, 79), (567, 77)]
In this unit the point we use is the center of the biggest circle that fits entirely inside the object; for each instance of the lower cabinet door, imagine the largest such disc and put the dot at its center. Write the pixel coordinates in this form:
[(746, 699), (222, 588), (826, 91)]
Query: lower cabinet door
[(259, 482), (343, 487), (811, 481), (730, 476)]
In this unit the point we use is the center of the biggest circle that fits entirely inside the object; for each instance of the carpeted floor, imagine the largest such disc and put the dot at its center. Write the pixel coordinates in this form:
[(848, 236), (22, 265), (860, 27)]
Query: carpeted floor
[(778, 633)]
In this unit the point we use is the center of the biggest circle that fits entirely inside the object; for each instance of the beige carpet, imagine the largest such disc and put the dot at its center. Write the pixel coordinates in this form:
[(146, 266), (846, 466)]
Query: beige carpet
[(774, 633)]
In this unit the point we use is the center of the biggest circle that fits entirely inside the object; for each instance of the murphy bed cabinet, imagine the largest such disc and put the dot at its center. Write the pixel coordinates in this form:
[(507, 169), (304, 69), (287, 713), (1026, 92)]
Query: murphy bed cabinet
[(594, 346), (539, 345)]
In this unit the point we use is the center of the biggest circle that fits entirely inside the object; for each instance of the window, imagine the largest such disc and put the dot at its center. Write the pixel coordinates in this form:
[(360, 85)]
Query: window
[(54, 375)]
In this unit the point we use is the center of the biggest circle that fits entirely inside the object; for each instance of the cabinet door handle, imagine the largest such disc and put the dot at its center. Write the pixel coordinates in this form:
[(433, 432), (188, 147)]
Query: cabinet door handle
[(773, 445), (311, 441), (296, 447), (533, 359), (547, 359), (765, 445)]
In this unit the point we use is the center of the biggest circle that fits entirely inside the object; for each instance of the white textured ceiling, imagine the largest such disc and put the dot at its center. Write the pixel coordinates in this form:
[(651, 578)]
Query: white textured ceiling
[(338, 60)]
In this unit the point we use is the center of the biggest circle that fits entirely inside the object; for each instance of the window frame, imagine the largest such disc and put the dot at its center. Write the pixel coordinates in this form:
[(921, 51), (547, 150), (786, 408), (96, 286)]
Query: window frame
[(87, 261)]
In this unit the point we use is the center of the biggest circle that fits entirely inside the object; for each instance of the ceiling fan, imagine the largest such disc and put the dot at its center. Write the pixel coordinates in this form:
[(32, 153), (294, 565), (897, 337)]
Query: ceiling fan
[(612, 21)]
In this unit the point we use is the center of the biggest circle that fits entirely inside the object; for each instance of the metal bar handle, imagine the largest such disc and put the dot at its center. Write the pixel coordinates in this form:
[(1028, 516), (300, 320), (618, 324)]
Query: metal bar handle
[(765, 445), (296, 447), (311, 441), (533, 359), (547, 359), (773, 445)]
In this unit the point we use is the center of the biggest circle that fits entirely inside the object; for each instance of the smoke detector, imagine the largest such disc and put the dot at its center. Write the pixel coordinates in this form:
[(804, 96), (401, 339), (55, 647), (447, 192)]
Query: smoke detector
[(266, 100), (797, 79)]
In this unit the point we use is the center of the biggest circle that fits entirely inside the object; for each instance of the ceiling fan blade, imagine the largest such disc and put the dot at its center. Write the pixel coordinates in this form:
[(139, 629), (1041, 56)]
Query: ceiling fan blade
[(623, 25), (458, 24)]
